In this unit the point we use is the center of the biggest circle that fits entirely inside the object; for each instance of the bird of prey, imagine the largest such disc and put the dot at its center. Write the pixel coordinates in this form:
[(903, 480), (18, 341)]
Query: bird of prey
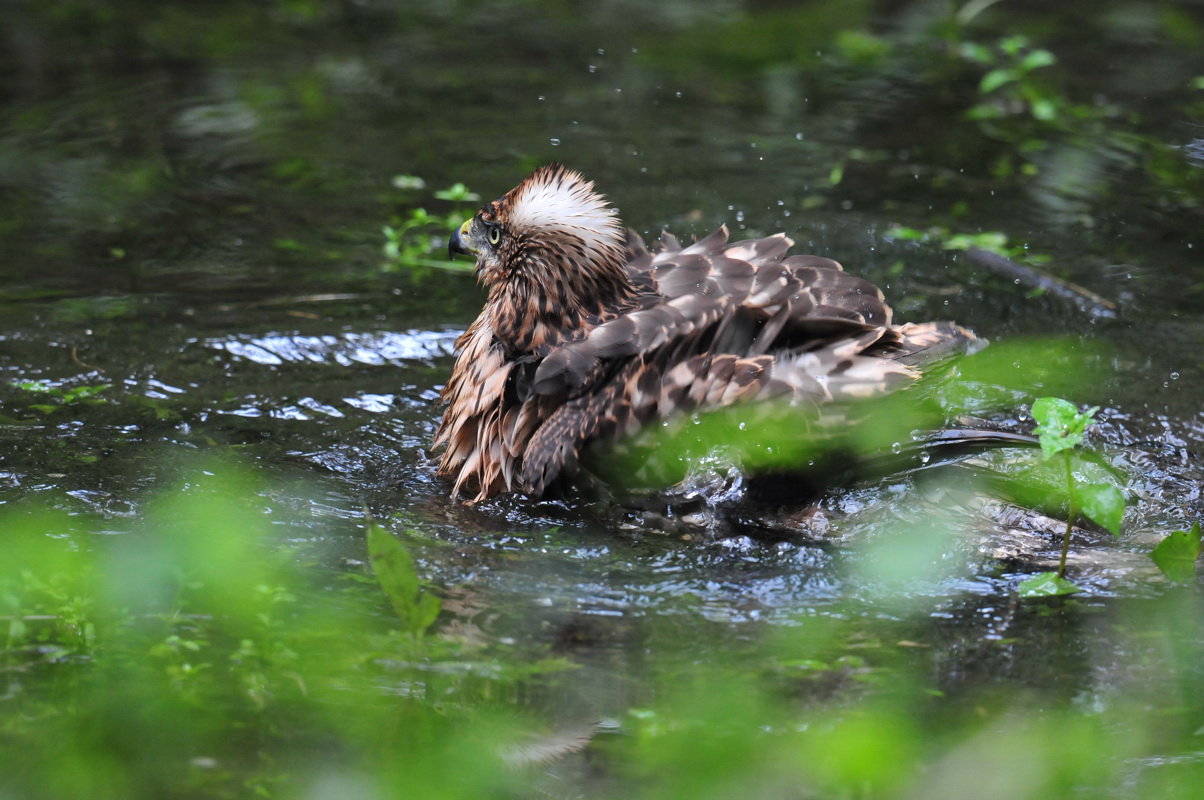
[(586, 335)]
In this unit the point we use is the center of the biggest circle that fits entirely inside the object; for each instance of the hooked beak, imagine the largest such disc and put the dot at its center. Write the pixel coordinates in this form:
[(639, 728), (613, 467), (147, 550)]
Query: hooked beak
[(456, 245)]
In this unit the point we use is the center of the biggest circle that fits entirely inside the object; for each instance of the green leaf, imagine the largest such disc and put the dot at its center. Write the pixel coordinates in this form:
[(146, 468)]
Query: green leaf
[(1176, 554), (907, 234), (32, 386), (1103, 503), (972, 51), (84, 392), (1044, 110), (1059, 424), (1013, 44), (458, 193), (1046, 584), (992, 241), (984, 111), (1037, 59), (996, 78), (394, 570)]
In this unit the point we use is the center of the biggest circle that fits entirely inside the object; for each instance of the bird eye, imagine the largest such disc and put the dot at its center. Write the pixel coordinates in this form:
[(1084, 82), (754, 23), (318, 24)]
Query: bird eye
[(495, 234)]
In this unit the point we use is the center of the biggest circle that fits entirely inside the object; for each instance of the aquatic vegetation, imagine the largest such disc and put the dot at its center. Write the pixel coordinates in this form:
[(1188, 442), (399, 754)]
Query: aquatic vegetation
[(1061, 427), (1010, 87), (991, 241), (416, 608), (60, 395), (417, 240)]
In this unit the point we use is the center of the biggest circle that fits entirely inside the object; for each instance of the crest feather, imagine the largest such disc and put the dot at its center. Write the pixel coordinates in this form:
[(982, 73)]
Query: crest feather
[(555, 199)]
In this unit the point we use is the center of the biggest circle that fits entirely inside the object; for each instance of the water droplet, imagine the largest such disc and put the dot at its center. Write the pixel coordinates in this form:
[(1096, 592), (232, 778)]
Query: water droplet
[(798, 136), (592, 68), (1174, 376), (925, 457), (678, 94), (555, 143)]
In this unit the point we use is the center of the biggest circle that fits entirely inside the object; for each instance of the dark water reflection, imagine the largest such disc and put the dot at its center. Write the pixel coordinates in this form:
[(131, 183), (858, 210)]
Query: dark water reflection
[(196, 221)]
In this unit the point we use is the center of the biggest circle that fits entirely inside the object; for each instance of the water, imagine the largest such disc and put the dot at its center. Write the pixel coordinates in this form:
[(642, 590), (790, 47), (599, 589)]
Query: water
[(195, 221)]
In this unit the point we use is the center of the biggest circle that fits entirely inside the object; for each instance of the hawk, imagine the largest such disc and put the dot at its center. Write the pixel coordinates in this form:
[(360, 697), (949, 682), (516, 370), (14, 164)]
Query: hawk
[(587, 335)]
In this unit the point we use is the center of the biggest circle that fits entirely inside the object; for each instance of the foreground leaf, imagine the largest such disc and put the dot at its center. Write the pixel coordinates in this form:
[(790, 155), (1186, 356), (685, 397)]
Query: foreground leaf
[(1046, 584), (1176, 555), (1102, 502), (394, 568)]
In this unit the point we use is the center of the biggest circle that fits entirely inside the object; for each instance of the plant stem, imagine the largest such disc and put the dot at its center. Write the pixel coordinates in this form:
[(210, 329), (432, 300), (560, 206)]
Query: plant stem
[(1071, 513)]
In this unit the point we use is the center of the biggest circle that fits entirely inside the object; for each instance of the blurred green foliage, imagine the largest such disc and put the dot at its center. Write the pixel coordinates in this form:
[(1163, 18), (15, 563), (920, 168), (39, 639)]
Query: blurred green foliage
[(831, 439), (197, 655), (416, 608)]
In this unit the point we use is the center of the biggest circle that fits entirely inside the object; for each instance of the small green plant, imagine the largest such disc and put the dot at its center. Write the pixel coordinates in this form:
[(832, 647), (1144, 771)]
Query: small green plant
[(1009, 88), (414, 240), (992, 241), (1061, 428), (1176, 555), (62, 396), (416, 608)]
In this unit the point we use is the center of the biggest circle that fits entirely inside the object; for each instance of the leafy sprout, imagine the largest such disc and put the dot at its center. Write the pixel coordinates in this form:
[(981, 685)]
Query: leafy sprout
[(416, 607), (1009, 85), (416, 239), (1061, 428)]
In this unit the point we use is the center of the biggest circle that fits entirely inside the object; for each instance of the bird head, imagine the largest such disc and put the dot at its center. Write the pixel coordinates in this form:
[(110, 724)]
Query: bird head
[(551, 231)]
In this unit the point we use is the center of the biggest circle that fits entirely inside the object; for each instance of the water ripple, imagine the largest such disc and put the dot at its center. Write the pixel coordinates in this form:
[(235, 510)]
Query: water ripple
[(375, 349)]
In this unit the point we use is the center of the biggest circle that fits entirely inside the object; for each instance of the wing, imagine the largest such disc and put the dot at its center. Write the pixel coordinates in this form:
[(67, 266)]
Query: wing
[(725, 323), (784, 298)]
